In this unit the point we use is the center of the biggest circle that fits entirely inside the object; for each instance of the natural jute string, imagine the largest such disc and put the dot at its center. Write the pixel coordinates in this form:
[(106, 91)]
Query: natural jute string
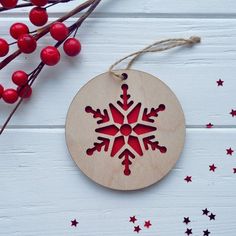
[(158, 46)]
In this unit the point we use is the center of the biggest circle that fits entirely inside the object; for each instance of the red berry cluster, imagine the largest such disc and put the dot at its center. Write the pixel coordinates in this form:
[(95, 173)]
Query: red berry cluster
[(27, 43), (8, 4)]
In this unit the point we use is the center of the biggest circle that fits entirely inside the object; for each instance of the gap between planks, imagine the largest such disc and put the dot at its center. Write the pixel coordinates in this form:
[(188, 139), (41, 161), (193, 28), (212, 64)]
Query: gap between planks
[(136, 15)]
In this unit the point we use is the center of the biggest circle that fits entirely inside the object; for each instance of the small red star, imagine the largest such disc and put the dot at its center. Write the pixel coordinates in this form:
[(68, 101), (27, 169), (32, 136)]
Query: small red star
[(189, 231), (209, 125), (205, 211), (132, 219), (234, 169), (186, 220), (188, 179), (147, 224), (212, 168), (233, 113), (206, 232), (212, 216), (137, 229), (229, 151), (220, 82), (74, 223)]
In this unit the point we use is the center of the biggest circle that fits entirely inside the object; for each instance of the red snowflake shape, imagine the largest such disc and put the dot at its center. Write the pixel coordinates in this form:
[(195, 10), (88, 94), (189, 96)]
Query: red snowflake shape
[(124, 129)]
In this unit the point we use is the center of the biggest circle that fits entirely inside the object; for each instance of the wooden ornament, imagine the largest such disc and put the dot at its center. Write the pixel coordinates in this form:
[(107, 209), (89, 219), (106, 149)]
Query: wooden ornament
[(125, 134)]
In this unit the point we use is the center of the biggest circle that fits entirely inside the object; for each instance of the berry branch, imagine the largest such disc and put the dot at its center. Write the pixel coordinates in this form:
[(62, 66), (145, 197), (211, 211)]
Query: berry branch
[(50, 55)]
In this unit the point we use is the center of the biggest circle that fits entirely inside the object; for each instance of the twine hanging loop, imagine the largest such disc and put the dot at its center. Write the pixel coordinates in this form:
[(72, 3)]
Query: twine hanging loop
[(158, 46)]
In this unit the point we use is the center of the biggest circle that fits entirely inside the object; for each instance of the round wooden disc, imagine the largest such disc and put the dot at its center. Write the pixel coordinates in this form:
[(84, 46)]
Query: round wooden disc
[(128, 134)]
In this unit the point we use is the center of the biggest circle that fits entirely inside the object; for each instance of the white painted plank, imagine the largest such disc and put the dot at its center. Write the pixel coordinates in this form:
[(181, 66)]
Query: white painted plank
[(41, 190), (190, 72), (154, 6)]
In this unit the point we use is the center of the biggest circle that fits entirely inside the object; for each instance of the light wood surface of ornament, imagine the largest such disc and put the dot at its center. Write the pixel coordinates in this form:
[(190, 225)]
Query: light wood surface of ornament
[(133, 140)]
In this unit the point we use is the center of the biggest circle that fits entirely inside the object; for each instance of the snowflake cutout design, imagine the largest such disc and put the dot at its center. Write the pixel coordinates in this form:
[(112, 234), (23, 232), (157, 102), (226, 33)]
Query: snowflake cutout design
[(125, 130)]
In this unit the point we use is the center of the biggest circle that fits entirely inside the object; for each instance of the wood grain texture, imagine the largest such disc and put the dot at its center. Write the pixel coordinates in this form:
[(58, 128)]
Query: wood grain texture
[(155, 7), (190, 72), (42, 189), (129, 158)]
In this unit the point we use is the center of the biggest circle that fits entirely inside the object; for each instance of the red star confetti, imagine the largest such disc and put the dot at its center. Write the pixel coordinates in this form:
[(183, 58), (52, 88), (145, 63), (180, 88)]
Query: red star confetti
[(132, 219), (206, 232), (74, 223), (186, 220), (189, 231), (233, 113), (137, 229), (209, 125), (205, 212), (229, 151), (220, 82), (212, 168), (234, 170), (188, 179), (212, 216), (147, 224)]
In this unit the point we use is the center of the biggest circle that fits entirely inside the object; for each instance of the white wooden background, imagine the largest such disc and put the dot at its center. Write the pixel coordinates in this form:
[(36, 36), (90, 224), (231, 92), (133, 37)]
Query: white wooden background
[(41, 189)]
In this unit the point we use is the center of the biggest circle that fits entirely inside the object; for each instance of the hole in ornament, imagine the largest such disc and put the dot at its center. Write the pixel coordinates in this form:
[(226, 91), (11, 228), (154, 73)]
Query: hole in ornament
[(125, 129), (119, 142), (128, 133), (143, 129), (149, 144), (135, 144), (124, 87), (110, 130), (127, 172), (103, 117), (162, 107), (103, 144), (152, 113), (125, 76), (132, 117), (125, 104), (163, 149), (118, 117), (126, 155)]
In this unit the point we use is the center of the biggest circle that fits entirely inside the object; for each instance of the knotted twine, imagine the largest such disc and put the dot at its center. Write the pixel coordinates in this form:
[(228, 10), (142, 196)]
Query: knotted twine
[(158, 46)]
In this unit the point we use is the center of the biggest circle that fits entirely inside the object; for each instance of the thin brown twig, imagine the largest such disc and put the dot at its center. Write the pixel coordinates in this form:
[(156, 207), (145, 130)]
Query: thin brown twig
[(34, 74)]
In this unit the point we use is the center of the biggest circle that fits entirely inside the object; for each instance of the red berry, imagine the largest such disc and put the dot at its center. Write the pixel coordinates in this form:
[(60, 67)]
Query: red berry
[(18, 29), (39, 3), (4, 47), (26, 43), (50, 56), (19, 77), (9, 3), (72, 47), (1, 90), (38, 16), (24, 91), (10, 96), (59, 31)]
